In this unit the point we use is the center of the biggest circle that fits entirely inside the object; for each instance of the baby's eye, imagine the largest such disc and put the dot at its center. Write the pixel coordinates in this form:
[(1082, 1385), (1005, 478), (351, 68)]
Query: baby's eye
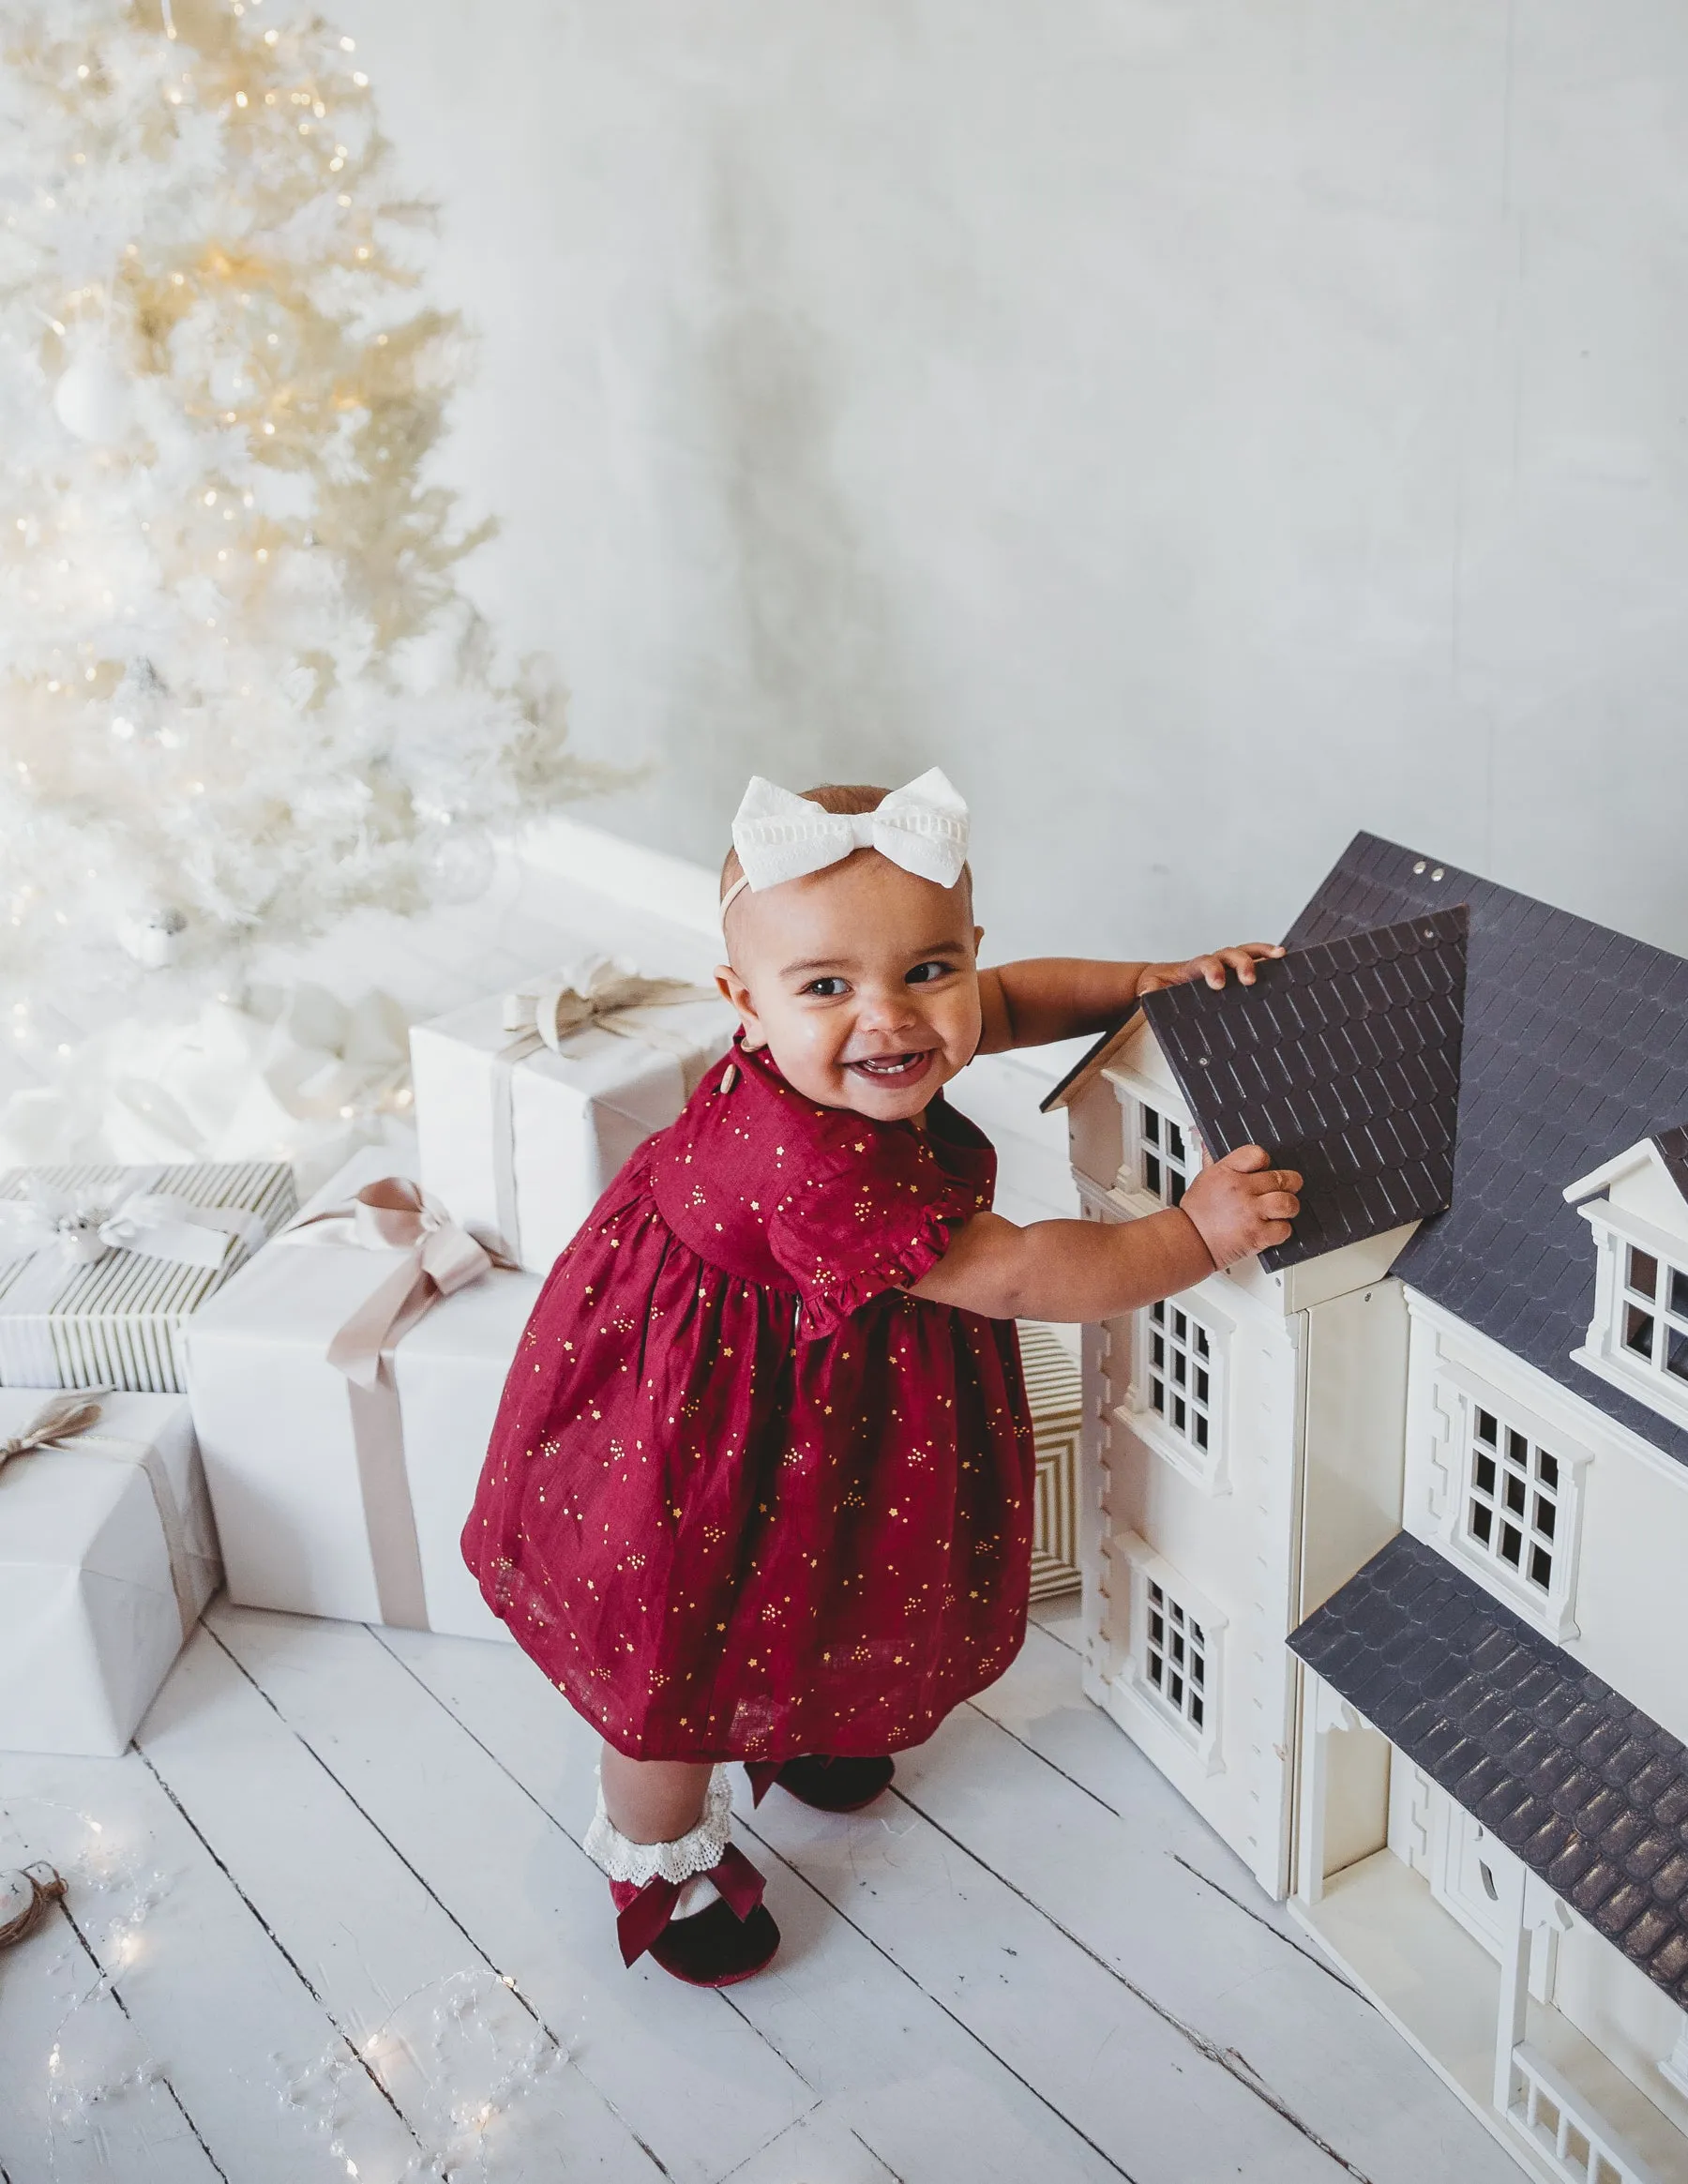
[(825, 988), (923, 973)]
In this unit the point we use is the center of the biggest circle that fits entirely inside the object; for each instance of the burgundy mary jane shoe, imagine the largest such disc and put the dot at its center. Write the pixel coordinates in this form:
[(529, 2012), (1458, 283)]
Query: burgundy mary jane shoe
[(717, 1947), (831, 1785)]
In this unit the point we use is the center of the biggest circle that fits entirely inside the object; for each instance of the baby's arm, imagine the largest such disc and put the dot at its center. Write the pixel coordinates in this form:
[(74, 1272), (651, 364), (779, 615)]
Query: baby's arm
[(1066, 996), (1085, 1270)]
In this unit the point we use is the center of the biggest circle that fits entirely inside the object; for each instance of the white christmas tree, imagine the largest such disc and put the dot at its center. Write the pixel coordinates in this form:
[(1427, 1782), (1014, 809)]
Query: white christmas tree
[(240, 691)]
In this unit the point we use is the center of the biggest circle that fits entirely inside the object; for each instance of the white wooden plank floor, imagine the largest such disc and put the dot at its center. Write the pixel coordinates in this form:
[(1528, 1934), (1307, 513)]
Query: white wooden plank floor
[(336, 1921), (1029, 1962)]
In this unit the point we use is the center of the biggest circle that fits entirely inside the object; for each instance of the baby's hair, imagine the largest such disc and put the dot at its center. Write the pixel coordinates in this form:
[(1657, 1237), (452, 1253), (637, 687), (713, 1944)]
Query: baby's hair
[(844, 798)]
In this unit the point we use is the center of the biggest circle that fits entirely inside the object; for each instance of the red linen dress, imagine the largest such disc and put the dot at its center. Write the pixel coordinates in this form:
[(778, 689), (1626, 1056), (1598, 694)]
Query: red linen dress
[(744, 1497)]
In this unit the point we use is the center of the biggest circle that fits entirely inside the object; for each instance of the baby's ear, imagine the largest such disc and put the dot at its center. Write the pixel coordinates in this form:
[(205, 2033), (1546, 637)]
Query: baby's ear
[(737, 994), (978, 939)]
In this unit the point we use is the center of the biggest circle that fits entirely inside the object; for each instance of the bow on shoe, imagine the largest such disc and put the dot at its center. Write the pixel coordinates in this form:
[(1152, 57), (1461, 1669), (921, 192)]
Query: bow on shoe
[(763, 1774), (922, 827), (737, 1883)]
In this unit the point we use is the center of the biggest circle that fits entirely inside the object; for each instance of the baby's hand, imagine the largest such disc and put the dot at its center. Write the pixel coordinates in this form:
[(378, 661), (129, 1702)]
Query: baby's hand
[(1213, 967), (1242, 1203)]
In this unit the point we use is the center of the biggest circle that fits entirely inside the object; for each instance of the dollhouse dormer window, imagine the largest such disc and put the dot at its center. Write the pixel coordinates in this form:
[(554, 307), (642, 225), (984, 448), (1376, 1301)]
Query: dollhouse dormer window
[(1164, 1161), (1654, 1312), (1637, 1206)]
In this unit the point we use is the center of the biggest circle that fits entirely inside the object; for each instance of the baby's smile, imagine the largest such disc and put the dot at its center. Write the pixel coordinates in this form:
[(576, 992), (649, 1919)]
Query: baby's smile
[(894, 1068)]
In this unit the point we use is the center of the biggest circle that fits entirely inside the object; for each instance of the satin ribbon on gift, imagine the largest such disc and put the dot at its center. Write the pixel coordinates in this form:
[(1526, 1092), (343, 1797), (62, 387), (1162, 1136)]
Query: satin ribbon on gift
[(440, 1258), (82, 1227), (65, 1425), (52, 1235), (601, 992)]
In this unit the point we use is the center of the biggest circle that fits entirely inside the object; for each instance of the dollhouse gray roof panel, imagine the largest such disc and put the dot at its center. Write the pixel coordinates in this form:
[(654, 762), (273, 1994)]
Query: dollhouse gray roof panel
[(1588, 1790), (1575, 1047), (1343, 1059), (1673, 1151)]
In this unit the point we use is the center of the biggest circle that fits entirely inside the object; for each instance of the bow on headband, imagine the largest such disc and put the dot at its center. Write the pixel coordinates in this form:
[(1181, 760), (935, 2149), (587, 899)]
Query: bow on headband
[(601, 991), (82, 1227), (780, 836)]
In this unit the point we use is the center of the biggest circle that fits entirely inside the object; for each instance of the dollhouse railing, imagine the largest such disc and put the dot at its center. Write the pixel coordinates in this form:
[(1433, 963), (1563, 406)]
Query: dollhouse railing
[(1557, 2123)]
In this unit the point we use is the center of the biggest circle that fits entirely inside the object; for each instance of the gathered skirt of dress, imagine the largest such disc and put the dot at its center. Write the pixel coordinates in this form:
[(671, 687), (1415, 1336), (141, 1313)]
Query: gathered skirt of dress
[(723, 1536)]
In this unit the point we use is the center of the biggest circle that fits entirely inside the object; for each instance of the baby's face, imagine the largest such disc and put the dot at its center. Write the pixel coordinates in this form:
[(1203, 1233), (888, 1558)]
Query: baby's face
[(861, 981)]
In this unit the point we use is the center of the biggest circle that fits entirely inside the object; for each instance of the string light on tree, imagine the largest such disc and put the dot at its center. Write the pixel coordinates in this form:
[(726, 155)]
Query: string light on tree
[(239, 684)]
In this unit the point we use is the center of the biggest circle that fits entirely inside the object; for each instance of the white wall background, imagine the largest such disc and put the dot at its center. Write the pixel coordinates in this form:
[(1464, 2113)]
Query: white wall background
[(1204, 426)]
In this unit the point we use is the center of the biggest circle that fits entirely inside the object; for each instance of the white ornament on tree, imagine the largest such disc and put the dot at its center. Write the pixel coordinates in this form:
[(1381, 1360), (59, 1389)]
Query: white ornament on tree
[(461, 867), (154, 937), (95, 400)]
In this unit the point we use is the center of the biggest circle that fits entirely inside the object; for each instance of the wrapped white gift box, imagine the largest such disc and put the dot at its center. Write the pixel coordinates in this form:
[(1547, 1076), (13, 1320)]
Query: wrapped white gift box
[(334, 1497), (528, 1103), (107, 1555), (101, 1266)]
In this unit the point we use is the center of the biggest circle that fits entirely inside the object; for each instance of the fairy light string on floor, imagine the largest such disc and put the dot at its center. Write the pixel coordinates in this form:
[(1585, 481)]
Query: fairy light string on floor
[(463, 2062)]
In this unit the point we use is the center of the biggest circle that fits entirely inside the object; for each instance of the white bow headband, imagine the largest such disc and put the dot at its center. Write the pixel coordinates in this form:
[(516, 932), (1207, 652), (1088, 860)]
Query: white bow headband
[(780, 836)]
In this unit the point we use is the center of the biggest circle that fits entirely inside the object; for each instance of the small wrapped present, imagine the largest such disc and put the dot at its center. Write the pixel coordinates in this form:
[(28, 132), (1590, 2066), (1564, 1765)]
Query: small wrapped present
[(528, 1103), (101, 1267), (343, 1389), (1054, 1394), (107, 1557)]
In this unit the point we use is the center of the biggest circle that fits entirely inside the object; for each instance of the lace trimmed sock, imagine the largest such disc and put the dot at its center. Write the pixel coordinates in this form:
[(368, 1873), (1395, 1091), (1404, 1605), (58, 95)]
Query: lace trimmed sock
[(694, 1902), (687, 1860)]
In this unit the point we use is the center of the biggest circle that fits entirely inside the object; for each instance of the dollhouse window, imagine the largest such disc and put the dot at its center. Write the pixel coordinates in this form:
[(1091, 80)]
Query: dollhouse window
[(1160, 1155), (1175, 1663), (1637, 1336), (1652, 1314), (1511, 1500), (1179, 1374), (1176, 1400), (1174, 1660), (1164, 1154)]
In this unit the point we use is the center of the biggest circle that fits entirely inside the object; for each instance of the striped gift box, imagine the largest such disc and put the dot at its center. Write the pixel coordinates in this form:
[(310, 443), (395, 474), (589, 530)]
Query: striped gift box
[(1052, 1387), (118, 1324)]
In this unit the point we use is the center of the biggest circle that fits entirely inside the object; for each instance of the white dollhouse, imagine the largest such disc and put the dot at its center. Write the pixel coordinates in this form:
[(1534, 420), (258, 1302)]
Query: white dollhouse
[(1385, 1535)]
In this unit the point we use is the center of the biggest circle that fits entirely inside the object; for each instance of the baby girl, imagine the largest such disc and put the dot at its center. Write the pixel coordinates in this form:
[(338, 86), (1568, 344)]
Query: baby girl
[(761, 1485)]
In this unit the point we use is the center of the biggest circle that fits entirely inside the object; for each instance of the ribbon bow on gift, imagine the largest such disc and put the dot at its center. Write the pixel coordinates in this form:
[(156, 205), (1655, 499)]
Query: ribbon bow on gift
[(58, 1422), (66, 1423), (82, 1225), (397, 1214), (605, 991), (440, 1257), (779, 836)]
